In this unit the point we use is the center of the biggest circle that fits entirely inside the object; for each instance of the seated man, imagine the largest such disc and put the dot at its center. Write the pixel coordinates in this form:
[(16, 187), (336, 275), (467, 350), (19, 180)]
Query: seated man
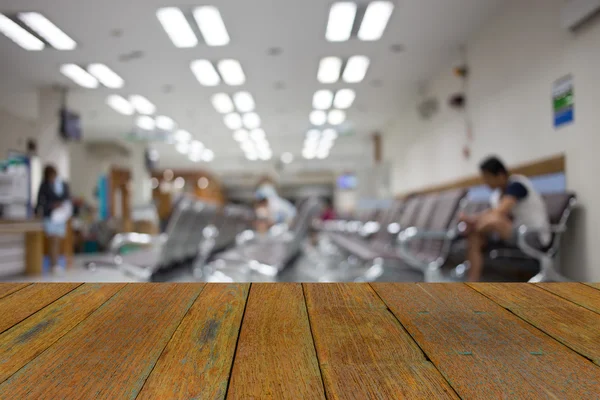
[(514, 203)]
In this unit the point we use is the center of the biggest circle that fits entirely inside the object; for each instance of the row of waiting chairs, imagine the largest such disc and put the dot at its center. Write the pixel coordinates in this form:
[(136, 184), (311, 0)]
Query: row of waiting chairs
[(420, 238), (195, 232)]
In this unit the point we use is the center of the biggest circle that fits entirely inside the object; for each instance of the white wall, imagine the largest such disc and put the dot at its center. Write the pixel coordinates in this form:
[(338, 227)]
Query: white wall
[(14, 132), (514, 61)]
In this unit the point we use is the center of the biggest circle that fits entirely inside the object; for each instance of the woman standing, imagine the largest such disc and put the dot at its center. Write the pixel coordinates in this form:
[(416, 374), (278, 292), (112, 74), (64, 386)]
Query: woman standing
[(54, 205)]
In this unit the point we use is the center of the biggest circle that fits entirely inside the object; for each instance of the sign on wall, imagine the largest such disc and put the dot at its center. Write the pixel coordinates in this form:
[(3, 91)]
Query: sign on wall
[(563, 101)]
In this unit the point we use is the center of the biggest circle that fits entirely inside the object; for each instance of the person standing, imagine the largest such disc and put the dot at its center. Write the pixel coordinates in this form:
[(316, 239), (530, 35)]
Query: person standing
[(53, 204)]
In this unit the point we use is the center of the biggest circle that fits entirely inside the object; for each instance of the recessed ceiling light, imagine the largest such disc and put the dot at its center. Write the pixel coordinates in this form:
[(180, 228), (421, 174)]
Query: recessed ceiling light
[(336, 117), (79, 75), (106, 76), (251, 120), (142, 105), (182, 136), (183, 147), (165, 123), (329, 70), (232, 72), (205, 73), (47, 30), (197, 146), (244, 102), (323, 99), (318, 117), (120, 104), (375, 20), (203, 183), (258, 135), (341, 21), (222, 103), (177, 27), (20, 36), (287, 158), (233, 121), (344, 98), (145, 122), (211, 26), (208, 155), (356, 69), (240, 135), (179, 183)]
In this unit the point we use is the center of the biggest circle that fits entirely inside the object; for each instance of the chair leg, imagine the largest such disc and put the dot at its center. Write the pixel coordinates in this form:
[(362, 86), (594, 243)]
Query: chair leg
[(548, 272)]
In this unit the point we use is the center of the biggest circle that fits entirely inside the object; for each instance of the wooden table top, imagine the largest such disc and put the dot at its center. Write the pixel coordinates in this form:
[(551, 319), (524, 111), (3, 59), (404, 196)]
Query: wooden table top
[(299, 341)]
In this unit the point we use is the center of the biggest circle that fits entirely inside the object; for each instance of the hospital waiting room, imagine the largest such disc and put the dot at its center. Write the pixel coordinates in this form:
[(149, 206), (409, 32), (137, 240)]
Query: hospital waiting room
[(317, 199)]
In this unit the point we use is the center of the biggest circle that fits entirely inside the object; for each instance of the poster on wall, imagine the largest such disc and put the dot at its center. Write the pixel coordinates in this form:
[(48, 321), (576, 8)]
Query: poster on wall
[(563, 101)]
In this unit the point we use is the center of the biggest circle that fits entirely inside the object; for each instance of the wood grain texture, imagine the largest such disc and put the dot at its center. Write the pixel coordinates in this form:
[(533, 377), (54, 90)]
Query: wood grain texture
[(363, 351), (111, 353), (21, 304), (9, 288), (483, 350), (275, 357), (197, 361), (572, 325), (23, 342), (578, 293), (594, 285)]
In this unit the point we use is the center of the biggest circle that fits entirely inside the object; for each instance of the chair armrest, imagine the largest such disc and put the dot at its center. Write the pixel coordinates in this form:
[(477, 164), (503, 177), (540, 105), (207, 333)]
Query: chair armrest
[(410, 234), (123, 239), (368, 229), (524, 232)]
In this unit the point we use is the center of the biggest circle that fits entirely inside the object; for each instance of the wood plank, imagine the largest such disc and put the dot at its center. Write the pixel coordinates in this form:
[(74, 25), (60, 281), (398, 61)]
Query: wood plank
[(572, 325), (25, 341), (363, 350), (578, 293), (197, 361), (276, 356), (111, 353), (483, 350), (594, 285), (20, 305), (9, 288)]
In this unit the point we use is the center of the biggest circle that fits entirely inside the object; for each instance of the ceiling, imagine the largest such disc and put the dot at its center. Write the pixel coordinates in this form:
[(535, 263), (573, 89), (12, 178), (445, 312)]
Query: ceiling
[(430, 31)]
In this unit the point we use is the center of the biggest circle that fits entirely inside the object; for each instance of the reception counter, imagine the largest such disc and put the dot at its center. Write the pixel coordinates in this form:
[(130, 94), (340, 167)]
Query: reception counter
[(21, 247)]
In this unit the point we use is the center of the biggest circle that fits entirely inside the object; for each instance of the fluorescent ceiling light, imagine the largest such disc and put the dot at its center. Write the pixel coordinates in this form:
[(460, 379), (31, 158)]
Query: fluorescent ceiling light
[(263, 145), (244, 102), (251, 156), (344, 98), (330, 135), (165, 123), (321, 155), (308, 154), (323, 99), (211, 26), (341, 20), (195, 157), (287, 158), (356, 69), (336, 117), (222, 103), (248, 146), (146, 123), (106, 76), (233, 121), (313, 134), (232, 72), (177, 27), (182, 136), (183, 147), (329, 70), (318, 117), (205, 73), (47, 30), (240, 135), (251, 120), (375, 20), (208, 155), (265, 156), (120, 104), (79, 75), (258, 135), (20, 36), (142, 105)]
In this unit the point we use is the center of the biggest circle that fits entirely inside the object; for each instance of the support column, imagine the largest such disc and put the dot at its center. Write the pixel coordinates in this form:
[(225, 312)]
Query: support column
[(140, 178)]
